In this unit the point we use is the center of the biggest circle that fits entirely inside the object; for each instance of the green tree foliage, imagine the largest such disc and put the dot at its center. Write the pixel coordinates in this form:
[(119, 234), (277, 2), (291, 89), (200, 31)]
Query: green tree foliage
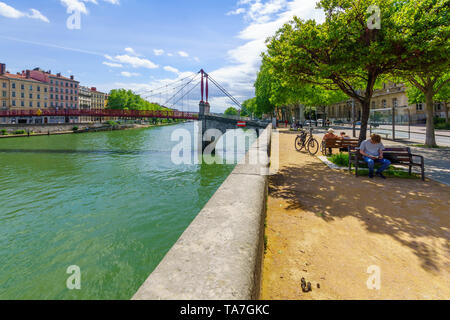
[(121, 99), (341, 53), (249, 108), (425, 32), (231, 112)]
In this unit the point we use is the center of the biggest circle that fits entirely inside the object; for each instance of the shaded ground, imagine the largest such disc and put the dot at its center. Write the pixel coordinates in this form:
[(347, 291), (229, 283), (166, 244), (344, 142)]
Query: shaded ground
[(330, 227)]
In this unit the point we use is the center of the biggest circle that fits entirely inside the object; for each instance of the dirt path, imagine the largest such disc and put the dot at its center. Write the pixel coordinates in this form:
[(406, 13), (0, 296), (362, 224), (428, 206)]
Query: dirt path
[(330, 227)]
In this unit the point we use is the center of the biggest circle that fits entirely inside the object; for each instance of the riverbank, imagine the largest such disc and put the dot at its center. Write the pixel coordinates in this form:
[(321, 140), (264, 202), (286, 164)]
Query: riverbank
[(62, 129), (329, 227)]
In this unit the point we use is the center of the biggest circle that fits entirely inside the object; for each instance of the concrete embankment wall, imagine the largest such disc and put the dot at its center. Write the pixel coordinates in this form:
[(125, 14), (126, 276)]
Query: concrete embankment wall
[(219, 256), (48, 127)]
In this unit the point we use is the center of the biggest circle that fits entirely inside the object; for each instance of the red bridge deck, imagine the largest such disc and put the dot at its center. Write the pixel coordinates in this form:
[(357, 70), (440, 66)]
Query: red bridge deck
[(99, 113)]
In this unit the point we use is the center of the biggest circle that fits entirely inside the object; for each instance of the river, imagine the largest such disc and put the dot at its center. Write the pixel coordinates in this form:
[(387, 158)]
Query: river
[(110, 203)]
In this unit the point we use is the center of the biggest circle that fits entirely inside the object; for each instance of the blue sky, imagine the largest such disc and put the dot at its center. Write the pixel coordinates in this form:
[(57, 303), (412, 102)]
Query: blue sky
[(141, 44)]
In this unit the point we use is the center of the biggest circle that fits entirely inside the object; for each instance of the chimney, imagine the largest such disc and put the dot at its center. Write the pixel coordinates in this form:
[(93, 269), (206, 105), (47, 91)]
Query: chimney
[(28, 74), (58, 75), (49, 71), (2, 68), (71, 77)]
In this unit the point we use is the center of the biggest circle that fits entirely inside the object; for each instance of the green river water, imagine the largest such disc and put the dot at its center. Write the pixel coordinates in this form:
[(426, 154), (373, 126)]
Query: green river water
[(111, 203)]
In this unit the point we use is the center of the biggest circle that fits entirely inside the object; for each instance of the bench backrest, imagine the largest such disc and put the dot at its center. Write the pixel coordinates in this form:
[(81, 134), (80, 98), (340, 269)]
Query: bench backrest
[(394, 154), (341, 143)]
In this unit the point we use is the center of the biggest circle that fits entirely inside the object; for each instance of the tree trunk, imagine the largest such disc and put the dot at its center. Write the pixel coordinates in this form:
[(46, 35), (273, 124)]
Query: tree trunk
[(364, 120), (430, 140)]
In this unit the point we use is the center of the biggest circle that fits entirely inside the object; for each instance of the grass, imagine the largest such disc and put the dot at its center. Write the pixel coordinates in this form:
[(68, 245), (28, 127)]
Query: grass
[(341, 159)]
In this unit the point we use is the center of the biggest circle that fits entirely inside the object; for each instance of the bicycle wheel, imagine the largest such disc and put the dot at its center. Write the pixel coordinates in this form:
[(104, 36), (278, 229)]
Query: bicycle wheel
[(299, 144), (313, 146), (323, 148)]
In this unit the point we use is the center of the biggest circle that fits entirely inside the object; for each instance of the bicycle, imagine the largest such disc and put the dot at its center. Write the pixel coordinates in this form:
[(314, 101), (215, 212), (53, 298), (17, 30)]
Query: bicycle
[(307, 141)]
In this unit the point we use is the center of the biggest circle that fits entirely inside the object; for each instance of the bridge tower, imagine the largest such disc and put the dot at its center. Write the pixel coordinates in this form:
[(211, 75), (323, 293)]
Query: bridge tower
[(205, 107)]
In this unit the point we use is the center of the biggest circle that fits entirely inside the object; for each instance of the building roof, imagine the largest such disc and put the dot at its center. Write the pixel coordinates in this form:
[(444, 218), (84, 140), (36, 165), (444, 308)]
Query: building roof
[(21, 77)]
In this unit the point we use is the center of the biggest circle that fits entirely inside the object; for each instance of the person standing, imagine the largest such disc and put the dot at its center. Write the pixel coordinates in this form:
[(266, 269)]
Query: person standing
[(372, 152)]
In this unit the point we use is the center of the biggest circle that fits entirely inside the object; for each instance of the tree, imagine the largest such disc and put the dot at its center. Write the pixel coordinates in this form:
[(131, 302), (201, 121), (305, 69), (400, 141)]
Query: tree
[(416, 96), (249, 108), (425, 26), (122, 99), (263, 91), (231, 112), (345, 52)]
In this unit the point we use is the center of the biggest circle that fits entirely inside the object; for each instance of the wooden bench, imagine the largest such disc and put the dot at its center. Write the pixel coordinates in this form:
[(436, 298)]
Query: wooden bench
[(398, 156), (338, 144)]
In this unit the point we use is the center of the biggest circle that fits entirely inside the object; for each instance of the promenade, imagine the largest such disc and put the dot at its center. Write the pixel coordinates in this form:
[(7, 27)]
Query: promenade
[(329, 227)]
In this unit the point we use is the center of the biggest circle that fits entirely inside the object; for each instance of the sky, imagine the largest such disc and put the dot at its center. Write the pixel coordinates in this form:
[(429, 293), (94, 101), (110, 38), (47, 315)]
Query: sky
[(144, 44)]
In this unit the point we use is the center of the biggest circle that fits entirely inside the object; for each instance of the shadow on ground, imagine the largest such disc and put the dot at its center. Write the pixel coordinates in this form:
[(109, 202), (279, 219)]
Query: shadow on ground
[(406, 210)]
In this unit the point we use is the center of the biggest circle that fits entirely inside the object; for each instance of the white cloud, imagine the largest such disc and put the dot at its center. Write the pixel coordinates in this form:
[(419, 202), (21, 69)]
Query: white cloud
[(183, 54), (158, 52), (80, 6), (112, 64), (236, 12), (129, 74), (131, 51), (264, 18), (135, 62), (10, 12), (171, 69)]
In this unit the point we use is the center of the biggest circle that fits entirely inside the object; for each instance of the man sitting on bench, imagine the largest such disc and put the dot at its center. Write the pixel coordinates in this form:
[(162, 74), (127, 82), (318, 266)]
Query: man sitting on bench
[(372, 151), (330, 136)]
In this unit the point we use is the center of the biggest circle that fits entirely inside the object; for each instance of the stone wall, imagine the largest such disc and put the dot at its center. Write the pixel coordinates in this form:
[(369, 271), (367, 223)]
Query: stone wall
[(219, 256), (47, 128)]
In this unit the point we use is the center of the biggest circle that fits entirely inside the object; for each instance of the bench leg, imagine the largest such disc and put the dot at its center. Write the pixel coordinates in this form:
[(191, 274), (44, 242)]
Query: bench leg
[(410, 170), (423, 173)]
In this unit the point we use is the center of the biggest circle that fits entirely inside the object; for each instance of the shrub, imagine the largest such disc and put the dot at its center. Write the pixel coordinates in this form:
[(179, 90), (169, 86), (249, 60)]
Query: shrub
[(75, 129), (20, 132), (4, 132), (340, 159)]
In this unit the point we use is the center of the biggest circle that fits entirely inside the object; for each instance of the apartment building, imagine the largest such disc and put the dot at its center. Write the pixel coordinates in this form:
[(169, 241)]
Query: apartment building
[(4, 88), (85, 101), (23, 92), (391, 95)]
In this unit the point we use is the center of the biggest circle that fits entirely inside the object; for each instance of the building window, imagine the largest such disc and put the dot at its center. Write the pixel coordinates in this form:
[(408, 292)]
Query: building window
[(31, 87), (38, 104), (4, 103), (395, 102), (45, 89), (31, 104), (374, 105), (384, 103), (22, 103), (13, 94), (51, 96), (22, 95), (438, 106), (45, 105), (14, 103), (22, 87), (4, 84), (13, 85), (31, 96), (39, 96), (39, 88), (4, 94), (419, 107)]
